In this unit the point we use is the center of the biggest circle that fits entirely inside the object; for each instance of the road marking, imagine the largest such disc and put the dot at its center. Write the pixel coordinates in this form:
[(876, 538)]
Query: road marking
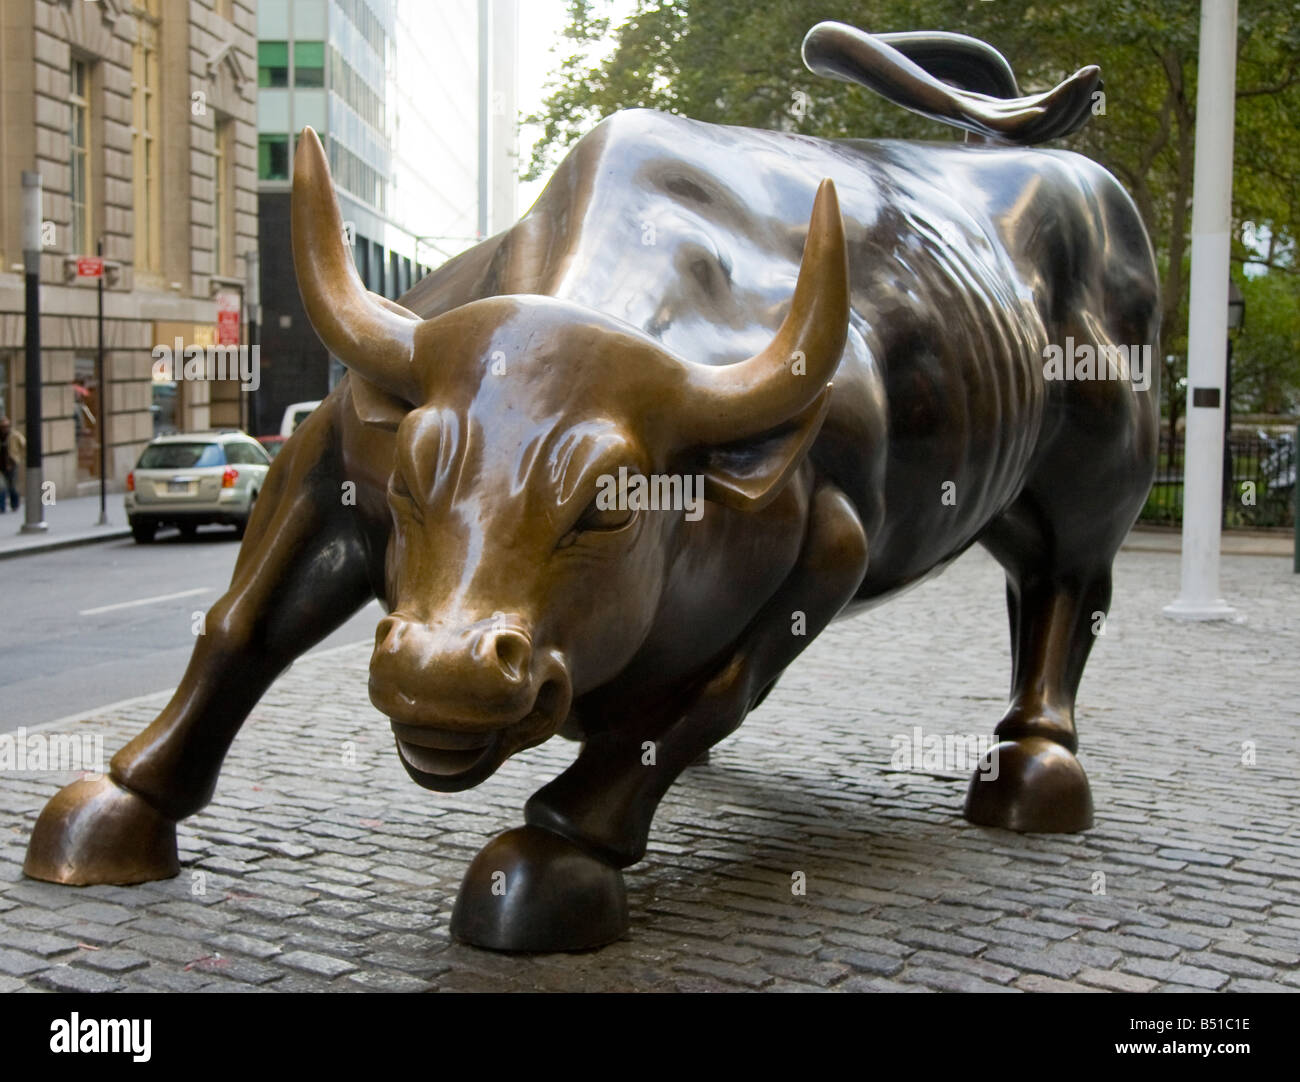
[(145, 601)]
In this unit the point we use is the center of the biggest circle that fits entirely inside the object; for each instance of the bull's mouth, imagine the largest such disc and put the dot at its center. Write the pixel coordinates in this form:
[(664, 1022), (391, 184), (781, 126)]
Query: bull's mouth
[(444, 753), (449, 758)]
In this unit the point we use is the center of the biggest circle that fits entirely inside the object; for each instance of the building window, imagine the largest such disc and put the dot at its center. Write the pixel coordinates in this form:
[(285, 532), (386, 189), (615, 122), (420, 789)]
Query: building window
[(165, 406), (308, 63), (361, 257), (223, 234), (364, 20), (348, 85), (272, 157), (353, 175), (79, 155), (272, 63), (144, 147)]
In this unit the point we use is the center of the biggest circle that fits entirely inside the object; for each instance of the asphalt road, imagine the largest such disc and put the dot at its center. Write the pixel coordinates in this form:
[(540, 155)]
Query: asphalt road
[(89, 626)]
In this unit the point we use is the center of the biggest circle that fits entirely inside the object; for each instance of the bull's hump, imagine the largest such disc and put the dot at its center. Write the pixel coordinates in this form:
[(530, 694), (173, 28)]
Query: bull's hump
[(674, 227), (693, 232)]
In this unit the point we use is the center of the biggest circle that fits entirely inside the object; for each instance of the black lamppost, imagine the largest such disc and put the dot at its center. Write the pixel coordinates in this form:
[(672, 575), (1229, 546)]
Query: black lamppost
[(35, 511), (252, 297), (1236, 318)]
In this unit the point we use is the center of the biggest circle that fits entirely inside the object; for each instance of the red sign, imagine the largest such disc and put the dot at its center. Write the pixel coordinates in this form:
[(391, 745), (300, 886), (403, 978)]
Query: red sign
[(90, 266), (227, 319)]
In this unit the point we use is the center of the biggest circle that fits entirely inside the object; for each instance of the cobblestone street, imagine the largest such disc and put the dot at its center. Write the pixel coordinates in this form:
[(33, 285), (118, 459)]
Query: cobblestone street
[(321, 873)]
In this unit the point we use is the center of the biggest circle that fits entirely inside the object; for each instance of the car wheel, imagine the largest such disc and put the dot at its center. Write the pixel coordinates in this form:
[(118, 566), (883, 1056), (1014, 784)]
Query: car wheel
[(242, 525), (143, 532)]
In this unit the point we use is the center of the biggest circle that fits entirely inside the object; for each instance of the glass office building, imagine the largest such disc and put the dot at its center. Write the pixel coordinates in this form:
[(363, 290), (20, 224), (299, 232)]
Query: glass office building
[(403, 94)]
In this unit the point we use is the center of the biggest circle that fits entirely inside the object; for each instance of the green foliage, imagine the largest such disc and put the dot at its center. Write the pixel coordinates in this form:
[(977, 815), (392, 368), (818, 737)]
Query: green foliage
[(1264, 366), (738, 62)]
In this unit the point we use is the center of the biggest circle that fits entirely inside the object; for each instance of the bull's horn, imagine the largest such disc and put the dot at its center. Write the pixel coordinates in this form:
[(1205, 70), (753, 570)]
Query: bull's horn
[(368, 333), (730, 402)]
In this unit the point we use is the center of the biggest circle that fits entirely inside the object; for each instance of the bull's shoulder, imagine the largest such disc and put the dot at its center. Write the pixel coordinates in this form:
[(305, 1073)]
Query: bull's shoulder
[(658, 155)]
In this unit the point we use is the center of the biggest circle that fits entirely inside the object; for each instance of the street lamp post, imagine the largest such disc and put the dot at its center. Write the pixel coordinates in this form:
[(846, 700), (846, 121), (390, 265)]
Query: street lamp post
[(35, 517), (1198, 597), (253, 305), (1236, 317), (101, 421)]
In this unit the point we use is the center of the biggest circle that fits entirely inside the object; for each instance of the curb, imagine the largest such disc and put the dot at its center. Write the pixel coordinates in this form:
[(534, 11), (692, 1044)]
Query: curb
[(109, 534)]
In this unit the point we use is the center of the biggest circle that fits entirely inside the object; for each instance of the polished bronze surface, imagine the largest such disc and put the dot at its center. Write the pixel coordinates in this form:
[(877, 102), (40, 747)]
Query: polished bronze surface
[(842, 341)]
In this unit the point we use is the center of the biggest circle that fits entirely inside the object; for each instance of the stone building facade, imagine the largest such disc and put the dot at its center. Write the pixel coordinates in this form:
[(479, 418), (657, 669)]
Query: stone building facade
[(141, 118)]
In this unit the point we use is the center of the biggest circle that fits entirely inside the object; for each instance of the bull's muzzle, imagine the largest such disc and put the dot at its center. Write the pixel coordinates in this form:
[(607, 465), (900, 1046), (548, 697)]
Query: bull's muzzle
[(462, 699)]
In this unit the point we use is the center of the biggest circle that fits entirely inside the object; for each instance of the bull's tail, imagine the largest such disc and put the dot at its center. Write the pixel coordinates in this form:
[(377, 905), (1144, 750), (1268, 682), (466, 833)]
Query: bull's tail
[(915, 70)]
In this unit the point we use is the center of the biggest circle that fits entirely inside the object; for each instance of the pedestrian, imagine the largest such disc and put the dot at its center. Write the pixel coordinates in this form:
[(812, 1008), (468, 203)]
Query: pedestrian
[(12, 448)]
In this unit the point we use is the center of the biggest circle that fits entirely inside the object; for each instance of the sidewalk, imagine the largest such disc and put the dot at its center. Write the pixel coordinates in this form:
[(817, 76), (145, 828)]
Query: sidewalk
[(1235, 542), (72, 521)]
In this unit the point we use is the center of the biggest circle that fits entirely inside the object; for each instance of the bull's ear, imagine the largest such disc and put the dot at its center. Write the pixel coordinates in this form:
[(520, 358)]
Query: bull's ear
[(749, 474), (375, 406)]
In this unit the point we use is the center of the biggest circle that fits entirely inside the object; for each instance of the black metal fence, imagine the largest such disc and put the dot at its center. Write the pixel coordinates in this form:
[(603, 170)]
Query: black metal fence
[(1258, 491)]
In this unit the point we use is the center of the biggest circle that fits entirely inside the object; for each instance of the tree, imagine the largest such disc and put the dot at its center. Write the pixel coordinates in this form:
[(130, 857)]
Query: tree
[(738, 62), (1264, 355)]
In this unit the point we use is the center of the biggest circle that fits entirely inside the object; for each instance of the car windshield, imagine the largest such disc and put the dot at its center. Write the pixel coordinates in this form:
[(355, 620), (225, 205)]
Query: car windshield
[(181, 456)]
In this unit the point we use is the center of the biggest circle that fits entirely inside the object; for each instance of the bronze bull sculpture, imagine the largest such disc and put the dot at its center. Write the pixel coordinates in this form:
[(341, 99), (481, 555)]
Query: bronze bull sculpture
[(859, 402)]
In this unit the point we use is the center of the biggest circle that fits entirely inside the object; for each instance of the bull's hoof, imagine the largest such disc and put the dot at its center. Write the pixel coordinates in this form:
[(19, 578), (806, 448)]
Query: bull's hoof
[(1031, 785), (98, 832), (531, 890)]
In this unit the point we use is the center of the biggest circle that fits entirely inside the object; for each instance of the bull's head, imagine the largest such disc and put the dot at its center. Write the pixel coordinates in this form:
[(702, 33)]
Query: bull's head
[(513, 588)]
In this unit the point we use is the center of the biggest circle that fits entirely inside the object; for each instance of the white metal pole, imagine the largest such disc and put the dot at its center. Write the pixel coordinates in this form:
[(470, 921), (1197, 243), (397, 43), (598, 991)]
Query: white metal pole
[(1207, 330)]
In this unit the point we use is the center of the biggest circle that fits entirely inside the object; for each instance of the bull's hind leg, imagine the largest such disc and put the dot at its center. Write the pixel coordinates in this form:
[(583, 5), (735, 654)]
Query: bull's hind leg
[(556, 883), (301, 572), (1031, 780)]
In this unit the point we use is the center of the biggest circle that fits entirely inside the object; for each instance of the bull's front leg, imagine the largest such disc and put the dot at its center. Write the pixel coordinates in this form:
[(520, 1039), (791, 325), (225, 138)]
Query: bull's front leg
[(556, 883), (301, 572)]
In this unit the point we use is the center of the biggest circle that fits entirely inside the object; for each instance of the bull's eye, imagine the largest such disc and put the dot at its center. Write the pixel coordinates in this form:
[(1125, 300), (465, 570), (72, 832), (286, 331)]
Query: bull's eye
[(598, 521), (601, 518)]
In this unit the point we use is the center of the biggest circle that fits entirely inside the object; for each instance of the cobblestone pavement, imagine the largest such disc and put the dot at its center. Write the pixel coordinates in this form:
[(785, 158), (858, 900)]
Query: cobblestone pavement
[(317, 874)]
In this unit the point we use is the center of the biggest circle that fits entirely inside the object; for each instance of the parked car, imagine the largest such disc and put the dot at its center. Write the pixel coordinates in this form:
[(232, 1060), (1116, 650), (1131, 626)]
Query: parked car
[(295, 415), (1279, 466), (272, 444), (193, 478)]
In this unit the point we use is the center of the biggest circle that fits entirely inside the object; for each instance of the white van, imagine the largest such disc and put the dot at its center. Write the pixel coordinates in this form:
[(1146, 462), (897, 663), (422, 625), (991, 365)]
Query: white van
[(295, 415)]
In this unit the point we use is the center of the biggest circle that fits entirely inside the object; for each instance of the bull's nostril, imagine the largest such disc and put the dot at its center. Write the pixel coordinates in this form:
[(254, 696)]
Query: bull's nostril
[(512, 651), (388, 633)]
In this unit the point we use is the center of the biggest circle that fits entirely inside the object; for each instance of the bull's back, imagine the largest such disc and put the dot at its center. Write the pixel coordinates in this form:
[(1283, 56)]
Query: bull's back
[(693, 233)]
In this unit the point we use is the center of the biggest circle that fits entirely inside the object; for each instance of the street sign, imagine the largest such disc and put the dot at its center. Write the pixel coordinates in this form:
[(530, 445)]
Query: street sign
[(90, 266), (227, 319)]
